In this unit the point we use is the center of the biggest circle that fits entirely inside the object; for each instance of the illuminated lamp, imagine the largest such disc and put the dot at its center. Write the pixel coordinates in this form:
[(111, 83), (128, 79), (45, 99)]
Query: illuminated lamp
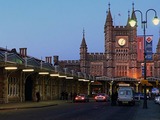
[(10, 68), (62, 76), (54, 75), (86, 80), (43, 73), (81, 79), (28, 70), (69, 77)]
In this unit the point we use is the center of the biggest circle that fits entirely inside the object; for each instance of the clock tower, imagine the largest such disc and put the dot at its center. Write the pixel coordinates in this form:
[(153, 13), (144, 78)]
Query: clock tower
[(120, 48)]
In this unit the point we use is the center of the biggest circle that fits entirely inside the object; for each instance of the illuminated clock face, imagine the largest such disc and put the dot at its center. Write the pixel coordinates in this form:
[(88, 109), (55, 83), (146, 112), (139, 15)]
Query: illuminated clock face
[(122, 41)]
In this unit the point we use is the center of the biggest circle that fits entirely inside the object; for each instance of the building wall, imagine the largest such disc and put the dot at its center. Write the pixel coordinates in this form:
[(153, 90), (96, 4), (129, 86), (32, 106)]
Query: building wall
[(2, 84)]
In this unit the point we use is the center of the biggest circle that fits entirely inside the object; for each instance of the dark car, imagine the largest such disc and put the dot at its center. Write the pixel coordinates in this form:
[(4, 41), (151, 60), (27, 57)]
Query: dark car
[(81, 98)]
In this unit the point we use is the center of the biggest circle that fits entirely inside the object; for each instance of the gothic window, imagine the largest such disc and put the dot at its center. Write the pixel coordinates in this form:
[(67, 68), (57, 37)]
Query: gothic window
[(121, 70), (119, 57), (48, 90), (13, 86)]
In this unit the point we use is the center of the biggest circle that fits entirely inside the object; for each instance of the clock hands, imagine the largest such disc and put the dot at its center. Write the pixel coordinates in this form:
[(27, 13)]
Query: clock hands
[(121, 41)]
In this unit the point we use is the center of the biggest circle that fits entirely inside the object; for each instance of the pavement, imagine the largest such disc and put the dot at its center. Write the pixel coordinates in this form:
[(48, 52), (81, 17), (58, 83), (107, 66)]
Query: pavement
[(28, 105), (151, 113)]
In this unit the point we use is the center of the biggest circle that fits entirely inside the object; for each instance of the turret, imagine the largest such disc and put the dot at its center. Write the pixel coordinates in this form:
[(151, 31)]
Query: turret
[(83, 55), (133, 15), (109, 20), (158, 47), (128, 25), (83, 48), (134, 29), (108, 28)]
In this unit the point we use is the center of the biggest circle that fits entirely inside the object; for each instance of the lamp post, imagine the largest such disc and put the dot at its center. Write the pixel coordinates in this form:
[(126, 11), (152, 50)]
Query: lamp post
[(144, 26)]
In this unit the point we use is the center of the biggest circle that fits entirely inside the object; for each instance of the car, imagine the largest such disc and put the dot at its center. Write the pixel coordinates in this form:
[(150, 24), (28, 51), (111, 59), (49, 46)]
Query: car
[(139, 96), (101, 97), (81, 98), (157, 99)]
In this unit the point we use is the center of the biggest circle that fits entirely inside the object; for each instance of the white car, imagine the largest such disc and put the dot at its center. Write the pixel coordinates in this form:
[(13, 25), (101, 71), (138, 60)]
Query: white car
[(157, 99)]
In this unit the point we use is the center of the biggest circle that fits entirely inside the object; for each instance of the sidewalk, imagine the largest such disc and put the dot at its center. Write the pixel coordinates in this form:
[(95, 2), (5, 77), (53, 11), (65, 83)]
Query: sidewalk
[(151, 113), (27, 105)]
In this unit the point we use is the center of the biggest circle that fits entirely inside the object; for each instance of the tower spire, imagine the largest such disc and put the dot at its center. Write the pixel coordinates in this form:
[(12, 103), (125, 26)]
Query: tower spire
[(83, 43), (158, 45), (132, 6), (109, 16), (159, 32), (133, 16), (128, 18), (109, 6), (83, 33), (159, 38)]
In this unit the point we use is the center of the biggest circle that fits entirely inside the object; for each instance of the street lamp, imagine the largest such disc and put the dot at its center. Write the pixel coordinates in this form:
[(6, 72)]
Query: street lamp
[(144, 26)]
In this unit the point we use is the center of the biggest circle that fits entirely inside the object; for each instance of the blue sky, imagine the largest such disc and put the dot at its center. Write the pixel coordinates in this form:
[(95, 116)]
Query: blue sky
[(55, 27)]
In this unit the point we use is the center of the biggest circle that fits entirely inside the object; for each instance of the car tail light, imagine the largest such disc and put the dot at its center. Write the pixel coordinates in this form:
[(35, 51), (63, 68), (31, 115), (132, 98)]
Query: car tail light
[(95, 97), (82, 98)]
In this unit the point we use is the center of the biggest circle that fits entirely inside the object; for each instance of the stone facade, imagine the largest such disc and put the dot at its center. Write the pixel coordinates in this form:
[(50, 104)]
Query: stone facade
[(122, 59), (121, 62), (119, 59)]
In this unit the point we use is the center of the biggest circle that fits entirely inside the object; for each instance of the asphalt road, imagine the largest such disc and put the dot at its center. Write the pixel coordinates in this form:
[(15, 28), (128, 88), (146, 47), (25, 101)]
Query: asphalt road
[(73, 111)]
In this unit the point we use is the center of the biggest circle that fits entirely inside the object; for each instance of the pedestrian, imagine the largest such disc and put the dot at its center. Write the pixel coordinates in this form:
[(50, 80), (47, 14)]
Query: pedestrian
[(63, 95), (114, 97), (74, 96), (71, 95), (38, 96), (149, 94), (66, 95)]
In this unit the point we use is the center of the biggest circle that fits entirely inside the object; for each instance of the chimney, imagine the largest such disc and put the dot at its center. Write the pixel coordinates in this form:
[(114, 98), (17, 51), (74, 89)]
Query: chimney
[(56, 59), (23, 52), (49, 59)]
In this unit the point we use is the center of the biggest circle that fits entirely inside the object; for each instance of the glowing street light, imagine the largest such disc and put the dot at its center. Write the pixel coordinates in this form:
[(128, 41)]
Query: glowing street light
[(133, 23)]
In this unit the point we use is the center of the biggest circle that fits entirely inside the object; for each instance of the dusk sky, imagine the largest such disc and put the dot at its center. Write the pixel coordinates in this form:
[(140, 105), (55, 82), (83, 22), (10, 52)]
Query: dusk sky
[(55, 27)]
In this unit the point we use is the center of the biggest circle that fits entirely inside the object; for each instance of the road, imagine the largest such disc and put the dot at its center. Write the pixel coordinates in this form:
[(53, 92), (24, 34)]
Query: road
[(73, 111)]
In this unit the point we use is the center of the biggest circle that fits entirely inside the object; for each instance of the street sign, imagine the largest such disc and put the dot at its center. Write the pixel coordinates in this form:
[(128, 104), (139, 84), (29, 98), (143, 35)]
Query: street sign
[(144, 82), (155, 90)]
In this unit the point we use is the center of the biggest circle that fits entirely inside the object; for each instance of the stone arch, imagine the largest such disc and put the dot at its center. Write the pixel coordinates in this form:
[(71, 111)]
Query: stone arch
[(28, 89)]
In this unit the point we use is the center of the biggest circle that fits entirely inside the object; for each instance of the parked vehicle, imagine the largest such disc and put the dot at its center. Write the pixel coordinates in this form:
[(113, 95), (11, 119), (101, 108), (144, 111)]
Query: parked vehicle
[(126, 96), (101, 97), (157, 99), (81, 98), (140, 96)]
